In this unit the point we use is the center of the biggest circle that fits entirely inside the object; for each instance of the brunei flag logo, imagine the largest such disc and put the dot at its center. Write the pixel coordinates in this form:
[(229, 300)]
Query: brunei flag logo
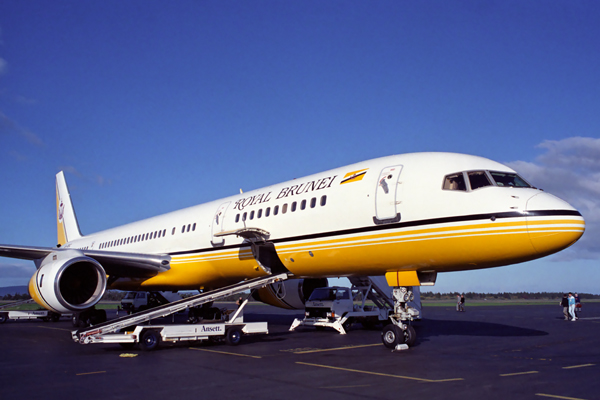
[(354, 176)]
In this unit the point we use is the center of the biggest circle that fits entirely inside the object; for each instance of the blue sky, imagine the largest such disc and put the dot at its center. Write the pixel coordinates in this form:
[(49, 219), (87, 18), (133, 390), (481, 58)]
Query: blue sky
[(153, 106)]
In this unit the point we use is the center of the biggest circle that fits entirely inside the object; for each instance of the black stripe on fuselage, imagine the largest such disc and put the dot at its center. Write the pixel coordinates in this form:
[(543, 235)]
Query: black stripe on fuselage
[(400, 225)]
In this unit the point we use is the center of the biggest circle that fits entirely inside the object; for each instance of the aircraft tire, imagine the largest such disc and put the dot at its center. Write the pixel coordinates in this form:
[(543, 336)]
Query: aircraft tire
[(410, 335), (150, 340), (346, 325), (3, 317), (97, 316), (391, 336), (233, 337)]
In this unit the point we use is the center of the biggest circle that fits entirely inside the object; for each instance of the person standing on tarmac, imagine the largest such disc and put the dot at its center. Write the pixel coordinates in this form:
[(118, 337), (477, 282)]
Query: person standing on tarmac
[(565, 305), (572, 307), (458, 302), (462, 302)]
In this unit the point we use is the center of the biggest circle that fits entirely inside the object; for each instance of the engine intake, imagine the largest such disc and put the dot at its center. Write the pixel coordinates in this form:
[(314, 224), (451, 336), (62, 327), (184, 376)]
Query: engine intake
[(68, 281)]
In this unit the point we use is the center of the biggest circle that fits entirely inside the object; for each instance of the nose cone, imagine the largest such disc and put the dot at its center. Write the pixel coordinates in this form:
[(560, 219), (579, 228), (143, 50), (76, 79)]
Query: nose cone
[(552, 223)]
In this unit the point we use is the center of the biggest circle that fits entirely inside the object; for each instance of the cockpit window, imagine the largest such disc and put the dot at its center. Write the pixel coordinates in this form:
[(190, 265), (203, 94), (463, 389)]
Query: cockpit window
[(508, 179), (478, 179), (455, 182)]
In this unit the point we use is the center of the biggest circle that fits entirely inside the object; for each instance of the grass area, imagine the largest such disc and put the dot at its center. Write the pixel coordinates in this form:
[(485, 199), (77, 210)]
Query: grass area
[(479, 303), (112, 305)]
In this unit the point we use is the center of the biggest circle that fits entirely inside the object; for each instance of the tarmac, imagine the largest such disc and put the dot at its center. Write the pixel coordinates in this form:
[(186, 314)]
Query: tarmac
[(488, 352)]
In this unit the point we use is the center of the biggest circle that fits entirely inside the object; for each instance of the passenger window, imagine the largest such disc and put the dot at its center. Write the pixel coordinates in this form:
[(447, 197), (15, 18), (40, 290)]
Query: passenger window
[(293, 206), (509, 179), (284, 208), (303, 204), (267, 212), (173, 232), (323, 200), (455, 182), (237, 218), (164, 232), (276, 210), (252, 214), (313, 202), (183, 229), (244, 216), (259, 214), (193, 228), (478, 179)]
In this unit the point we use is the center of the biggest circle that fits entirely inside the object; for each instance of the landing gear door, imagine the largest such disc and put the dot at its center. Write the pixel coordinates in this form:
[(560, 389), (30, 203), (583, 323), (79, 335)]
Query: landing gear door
[(386, 196), (217, 224)]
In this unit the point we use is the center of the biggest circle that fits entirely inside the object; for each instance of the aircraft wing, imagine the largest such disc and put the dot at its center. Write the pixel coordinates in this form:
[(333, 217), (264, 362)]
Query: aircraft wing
[(114, 263), (24, 252)]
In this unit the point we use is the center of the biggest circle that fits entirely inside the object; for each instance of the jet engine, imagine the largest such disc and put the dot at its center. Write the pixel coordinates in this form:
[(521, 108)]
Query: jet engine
[(290, 294), (68, 281)]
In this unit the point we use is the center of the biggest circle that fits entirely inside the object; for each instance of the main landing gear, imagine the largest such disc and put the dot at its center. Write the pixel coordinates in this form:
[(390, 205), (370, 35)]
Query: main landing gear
[(399, 332)]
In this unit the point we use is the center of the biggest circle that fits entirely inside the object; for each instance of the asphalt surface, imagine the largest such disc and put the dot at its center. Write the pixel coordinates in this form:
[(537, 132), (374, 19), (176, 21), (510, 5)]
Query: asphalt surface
[(492, 352)]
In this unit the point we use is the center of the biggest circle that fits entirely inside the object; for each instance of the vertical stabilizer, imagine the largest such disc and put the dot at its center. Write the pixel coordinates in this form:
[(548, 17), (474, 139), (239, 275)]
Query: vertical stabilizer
[(66, 221)]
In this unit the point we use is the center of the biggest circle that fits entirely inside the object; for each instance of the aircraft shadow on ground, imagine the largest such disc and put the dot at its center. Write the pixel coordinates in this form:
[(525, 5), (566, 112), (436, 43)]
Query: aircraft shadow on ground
[(429, 328)]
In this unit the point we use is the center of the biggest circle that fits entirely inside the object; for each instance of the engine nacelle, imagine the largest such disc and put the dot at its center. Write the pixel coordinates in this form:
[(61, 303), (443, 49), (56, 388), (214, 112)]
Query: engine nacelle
[(290, 294), (68, 281)]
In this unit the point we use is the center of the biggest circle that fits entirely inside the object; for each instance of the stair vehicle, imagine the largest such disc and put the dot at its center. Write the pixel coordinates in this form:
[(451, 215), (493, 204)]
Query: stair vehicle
[(129, 331), (44, 315)]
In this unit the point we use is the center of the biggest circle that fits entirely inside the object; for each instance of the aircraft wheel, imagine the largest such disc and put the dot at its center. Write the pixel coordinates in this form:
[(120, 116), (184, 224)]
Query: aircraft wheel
[(3, 317), (233, 336), (410, 336), (97, 317), (391, 336), (150, 340), (346, 325)]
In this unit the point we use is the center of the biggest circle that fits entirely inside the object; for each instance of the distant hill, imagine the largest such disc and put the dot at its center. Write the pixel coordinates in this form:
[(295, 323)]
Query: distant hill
[(13, 290)]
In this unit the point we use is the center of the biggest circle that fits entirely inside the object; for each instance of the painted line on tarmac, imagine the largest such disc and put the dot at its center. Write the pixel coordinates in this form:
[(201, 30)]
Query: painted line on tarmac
[(337, 348), (558, 397), (520, 373), (224, 352), (343, 387), (579, 366), (381, 374), (56, 329), (91, 373), (589, 318)]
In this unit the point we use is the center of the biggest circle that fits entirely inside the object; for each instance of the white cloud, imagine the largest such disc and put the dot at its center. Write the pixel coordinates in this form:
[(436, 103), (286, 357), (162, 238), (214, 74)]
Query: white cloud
[(570, 169), (16, 270), (8, 126), (3, 66)]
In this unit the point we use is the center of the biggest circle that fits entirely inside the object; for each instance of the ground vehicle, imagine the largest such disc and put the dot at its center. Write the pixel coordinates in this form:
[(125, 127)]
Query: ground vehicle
[(44, 315), (339, 307), (128, 330), (335, 307), (138, 301)]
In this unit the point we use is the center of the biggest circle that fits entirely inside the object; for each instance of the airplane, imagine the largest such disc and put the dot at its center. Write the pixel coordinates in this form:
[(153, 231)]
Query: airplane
[(407, 217)]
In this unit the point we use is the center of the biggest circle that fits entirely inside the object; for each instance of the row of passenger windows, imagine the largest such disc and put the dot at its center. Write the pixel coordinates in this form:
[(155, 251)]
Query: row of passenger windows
[(147, 236), (479, 179), (284, 209)]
